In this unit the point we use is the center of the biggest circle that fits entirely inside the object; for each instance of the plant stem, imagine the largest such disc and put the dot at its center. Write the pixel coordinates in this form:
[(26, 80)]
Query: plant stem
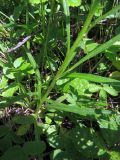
[(72, 52)]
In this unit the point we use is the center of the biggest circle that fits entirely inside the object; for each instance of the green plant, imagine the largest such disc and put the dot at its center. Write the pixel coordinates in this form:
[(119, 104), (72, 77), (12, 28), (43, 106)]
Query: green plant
[(55, 104)]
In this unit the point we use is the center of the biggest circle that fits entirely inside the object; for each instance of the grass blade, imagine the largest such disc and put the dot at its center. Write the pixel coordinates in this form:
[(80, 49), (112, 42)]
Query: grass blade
[(67, 14), (72, 52), (82, 33), (112, 11), (83, 111), (95, 52), (38, 76), (94, 78)]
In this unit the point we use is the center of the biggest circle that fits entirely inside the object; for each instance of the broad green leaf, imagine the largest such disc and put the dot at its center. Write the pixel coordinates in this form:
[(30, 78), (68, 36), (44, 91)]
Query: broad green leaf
[(48, 120), (24, 120), (114, 155), (51, 129), (76, 85), (94, 88), (7, 138), (88, 45), (22, 130), (23, 66), (74, 3), (3, 131), (87, 141), (103, 94), (34, 147), (110, 90), (37, 1), (26, 68), (17, 139), (72, 99), (14, 153), (3, 82), (7, 72), (62, 140), (5, 142), (77, 141), (99, 10), (58, 154), (110, 129), (18, 62), (10, 90)]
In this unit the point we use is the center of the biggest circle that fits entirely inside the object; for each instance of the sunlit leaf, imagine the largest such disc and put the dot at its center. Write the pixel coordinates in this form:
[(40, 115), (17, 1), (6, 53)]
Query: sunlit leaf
[(17, 63), (10, 90), (37, 1), (74, 3)]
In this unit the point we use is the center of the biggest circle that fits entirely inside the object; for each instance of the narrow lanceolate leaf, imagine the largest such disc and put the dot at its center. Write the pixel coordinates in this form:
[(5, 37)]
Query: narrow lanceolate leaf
[(67, 14), (72, 52), (96, 51), (81, 34), (7, 101), (83, 111), (94, 78), (106, 15), (37, 73)]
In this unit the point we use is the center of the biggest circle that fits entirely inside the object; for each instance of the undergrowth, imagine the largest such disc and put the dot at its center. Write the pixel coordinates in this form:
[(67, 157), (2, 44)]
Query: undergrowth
[(59, 80)]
